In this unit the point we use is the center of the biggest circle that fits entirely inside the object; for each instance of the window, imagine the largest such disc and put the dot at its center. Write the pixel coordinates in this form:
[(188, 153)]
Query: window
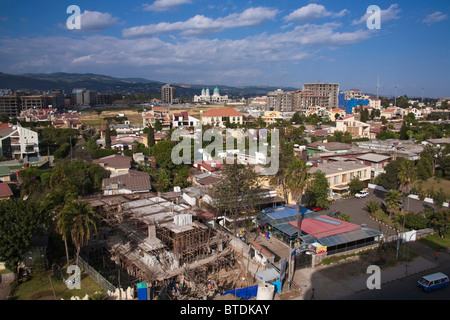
[(352, 175), (336, 179), (359, 174), (365, 173)]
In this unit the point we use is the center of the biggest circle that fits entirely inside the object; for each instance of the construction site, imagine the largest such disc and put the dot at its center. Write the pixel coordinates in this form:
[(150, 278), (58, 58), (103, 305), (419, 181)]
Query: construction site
[(162, 241)]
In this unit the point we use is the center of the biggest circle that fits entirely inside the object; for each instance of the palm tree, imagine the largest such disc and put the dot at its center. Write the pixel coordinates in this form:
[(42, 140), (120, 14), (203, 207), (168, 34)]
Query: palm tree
[(296, 181), (406, 176), (53, 203), (76, 219)]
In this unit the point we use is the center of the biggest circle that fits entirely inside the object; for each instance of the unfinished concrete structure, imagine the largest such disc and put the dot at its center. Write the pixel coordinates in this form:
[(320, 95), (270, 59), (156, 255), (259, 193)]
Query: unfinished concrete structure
[(158, 238)]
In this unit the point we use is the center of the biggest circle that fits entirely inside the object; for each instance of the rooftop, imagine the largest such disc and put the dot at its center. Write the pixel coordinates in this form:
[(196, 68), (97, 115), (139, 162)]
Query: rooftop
[(373, 157), (115, 161), (338, 167), (222, 112)]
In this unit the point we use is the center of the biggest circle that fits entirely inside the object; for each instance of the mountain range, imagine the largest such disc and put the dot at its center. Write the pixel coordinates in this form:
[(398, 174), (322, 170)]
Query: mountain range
[(110, 85)]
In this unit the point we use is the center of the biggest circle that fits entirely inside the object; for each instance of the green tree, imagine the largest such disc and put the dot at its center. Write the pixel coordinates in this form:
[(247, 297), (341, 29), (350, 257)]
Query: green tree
[(238, 193), (151, 136), (356, 185), (279, 179), (108, 137), (317, 190), (76, 220), (158, 125), (406, 176), (372, 206), (296, 182), (424, 168), (392, 200), (20, 220), (440, 221)]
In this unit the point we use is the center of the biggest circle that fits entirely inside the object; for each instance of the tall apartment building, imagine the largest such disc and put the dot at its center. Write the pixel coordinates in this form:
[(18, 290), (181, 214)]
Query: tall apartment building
[(10, 105), (305, 99), (36, 102), (167, 94), (280, 100), (330, 90)]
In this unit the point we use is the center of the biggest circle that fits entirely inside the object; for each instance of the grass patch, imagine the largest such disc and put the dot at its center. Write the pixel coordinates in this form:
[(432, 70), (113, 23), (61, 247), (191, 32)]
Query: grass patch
[(435, 242), (35, 289), (433, 184)]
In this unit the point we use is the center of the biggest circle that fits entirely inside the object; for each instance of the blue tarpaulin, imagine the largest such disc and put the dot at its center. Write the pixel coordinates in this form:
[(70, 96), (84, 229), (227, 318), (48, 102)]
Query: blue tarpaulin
[(244, 293)]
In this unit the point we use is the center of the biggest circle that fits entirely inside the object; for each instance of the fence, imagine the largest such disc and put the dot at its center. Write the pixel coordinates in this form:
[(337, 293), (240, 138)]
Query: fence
[(105, 284), (411, 235)]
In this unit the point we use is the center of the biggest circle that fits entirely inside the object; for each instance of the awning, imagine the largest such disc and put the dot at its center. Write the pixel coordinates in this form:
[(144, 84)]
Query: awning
[(340, 187)]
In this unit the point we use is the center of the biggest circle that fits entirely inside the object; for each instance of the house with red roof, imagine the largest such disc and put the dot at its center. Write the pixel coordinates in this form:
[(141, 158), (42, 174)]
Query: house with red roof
[(5, 191), (218, 117)]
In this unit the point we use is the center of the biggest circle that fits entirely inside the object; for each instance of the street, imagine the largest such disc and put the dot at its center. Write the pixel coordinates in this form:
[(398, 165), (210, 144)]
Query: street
[(404, 289)]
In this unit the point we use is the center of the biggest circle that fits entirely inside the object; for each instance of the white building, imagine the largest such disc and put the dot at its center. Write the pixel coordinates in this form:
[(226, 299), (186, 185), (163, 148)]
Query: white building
[(183, 119), (18, 142), (207, 97)]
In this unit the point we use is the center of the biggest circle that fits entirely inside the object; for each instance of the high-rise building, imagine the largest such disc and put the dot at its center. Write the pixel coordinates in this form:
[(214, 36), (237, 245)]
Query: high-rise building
[(330, 90), (304, 100), (167, 94), (280, 100)]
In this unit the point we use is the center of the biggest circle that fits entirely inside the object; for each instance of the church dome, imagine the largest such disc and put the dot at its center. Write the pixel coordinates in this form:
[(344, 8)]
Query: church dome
[(216, 90)]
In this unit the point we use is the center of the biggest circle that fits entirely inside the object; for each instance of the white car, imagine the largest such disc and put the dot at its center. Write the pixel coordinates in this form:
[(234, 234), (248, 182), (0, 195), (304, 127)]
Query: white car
[(362, 194)]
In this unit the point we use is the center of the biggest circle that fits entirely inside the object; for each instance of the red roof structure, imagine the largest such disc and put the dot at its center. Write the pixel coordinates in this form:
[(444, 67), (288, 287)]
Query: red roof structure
[(222, 112), (325, 226), (5, 191)]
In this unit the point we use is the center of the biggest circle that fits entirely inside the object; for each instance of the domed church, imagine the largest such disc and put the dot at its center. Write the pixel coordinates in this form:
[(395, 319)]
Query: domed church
[(207, 97)]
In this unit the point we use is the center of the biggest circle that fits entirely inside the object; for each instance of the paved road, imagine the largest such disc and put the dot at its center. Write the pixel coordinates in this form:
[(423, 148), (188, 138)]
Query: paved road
[(396, 282)]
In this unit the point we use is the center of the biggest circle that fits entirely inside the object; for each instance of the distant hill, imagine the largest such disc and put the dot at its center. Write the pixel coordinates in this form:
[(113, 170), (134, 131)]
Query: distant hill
[(110, 85)]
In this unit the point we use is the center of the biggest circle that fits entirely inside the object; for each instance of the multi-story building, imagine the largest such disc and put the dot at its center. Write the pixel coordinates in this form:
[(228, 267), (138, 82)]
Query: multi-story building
[(10, 105), (167, 94), (18, 142), (340, 173), (305, 99), (330, 90), (280, 100)]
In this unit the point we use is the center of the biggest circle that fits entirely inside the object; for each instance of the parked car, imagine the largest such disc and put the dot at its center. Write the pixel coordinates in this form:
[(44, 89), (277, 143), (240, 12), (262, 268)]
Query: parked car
[(362, 194), (316, 209)]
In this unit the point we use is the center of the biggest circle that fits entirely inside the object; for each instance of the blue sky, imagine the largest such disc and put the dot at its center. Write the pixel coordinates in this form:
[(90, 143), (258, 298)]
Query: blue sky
[(229, 42)]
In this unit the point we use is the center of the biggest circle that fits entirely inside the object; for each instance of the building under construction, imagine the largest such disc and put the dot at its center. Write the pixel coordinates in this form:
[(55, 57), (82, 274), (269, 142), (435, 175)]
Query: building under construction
[(160, 238)]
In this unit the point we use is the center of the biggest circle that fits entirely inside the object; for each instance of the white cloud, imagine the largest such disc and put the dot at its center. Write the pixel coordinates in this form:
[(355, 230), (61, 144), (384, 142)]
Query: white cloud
[(200, 24), (246, 59), (311, 12), (390, 13), (435, 17), (165, 5), (92, 21)]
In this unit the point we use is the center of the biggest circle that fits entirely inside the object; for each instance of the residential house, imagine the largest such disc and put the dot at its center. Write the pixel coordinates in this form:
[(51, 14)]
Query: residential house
[(116, 164), (129, 183), (376, 161), (357, 129), (271, 117), (5, 174), (220, 116), (183, 119), (157, 113), (5, 191), (340, 173)]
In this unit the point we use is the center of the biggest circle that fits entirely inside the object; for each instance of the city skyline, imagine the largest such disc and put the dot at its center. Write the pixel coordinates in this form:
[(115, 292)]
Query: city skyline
[(285, 44)]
